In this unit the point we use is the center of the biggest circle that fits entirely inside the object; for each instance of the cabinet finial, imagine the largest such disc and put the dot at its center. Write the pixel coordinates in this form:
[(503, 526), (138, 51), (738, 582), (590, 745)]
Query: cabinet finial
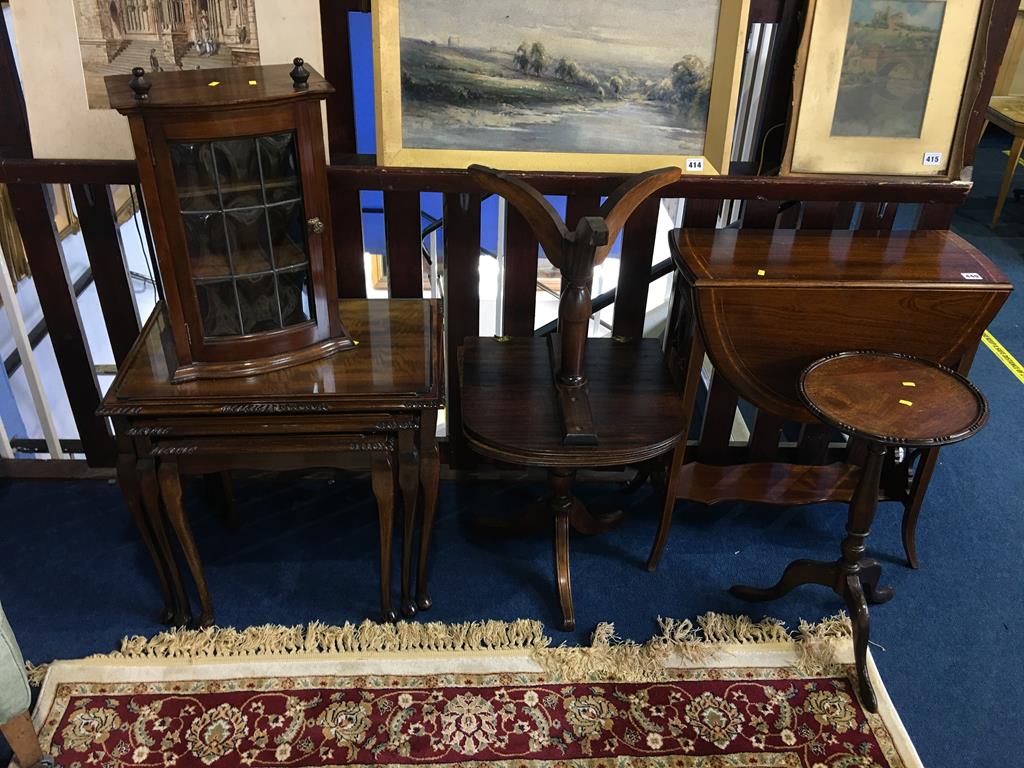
[(300, 75), (139, 84)]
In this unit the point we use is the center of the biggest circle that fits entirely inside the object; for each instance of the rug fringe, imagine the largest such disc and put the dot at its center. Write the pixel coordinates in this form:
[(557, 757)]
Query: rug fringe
[(35, 674), (319, 638), (608, 657)]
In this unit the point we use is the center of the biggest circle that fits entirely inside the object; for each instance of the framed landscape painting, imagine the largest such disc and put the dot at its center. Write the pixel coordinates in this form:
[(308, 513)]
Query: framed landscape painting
[(576, 85), (879, 86)]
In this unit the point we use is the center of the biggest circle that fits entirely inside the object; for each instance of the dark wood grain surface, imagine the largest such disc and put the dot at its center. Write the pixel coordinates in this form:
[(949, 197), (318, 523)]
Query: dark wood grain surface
[(396, 361), (220, 106), (352, 172), (404, 244), (462, 302), (893, 399), (638, 240), (375, 401), (764, 304), (828, 292), (519, 306), (510, 408), (829, 257), (191, 89), (767, 483), (337, 50)]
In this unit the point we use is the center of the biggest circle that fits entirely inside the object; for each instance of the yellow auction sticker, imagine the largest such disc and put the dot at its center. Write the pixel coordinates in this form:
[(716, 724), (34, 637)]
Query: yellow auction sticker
[(1003, 354)]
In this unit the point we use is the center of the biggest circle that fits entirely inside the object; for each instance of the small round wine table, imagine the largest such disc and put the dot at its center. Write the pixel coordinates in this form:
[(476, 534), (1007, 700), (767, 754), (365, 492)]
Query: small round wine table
[(889, 401)]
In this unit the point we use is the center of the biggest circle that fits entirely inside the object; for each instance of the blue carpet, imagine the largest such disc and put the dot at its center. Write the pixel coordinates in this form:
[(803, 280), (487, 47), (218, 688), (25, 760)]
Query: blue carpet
[(75, 577)]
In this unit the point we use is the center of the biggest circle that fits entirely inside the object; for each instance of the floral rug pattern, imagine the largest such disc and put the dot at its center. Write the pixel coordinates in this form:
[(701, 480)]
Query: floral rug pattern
[(725, 718)]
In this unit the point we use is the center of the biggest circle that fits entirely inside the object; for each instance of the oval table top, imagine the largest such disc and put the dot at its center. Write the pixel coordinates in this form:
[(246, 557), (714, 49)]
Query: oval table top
[(893, 399)]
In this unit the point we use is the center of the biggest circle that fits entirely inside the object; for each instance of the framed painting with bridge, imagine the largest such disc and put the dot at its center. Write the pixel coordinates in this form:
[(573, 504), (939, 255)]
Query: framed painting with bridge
[(576, 85), (880, 85)]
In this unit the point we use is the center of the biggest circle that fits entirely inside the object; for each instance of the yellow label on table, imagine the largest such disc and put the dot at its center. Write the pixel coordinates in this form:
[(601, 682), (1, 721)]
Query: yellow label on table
[(905, 402)]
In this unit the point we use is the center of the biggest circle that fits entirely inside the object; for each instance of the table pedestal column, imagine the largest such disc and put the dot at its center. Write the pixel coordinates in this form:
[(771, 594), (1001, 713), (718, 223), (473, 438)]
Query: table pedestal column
[(853, 576)]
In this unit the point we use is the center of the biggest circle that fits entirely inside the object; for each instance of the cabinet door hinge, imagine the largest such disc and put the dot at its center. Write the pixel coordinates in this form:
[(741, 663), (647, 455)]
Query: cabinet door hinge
[(188, 334)]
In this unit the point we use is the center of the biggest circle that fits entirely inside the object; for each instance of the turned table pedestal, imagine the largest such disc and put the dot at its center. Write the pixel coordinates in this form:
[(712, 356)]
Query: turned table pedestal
[(511, 413), (890, 401)]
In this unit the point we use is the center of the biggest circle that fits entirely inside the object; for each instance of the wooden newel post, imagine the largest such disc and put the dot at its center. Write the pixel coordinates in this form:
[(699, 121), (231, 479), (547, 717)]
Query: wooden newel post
[(575, 254)]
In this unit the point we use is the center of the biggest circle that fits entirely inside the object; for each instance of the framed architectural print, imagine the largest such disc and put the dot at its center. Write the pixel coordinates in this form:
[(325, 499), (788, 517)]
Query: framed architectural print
[(162, 37), (879, 86), (63, 92), (576, 85)]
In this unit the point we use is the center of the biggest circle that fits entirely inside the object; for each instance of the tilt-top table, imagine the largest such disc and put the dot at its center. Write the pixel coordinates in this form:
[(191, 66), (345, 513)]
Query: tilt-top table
[(890, 401)]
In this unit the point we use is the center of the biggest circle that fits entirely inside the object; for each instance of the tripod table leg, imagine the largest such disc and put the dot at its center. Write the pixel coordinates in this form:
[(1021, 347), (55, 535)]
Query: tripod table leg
[(861, 620), (797, 573), (561, 504)]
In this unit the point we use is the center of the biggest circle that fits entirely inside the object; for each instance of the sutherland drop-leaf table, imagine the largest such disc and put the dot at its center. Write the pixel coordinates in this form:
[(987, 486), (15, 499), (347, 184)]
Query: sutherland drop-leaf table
[(377, 401)]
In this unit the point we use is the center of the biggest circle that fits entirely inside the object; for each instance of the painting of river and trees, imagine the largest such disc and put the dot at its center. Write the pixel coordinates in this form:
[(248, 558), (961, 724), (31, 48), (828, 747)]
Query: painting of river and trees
[(887, 67), (570, 76)]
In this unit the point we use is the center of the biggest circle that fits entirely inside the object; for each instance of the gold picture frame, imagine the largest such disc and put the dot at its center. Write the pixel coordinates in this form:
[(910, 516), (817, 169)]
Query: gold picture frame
[(897, 75), (64, 218), (65, 223), (379, 274), (725, 72)]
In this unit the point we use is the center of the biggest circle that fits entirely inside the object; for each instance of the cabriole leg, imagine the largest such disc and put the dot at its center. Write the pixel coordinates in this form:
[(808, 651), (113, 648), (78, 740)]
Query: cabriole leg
[(383, 481), (430, 472), (561, 504), (170, 492)]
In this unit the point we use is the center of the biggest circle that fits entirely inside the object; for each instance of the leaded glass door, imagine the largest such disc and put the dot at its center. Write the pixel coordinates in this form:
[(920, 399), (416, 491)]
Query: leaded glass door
[(251, 247), (241, 204), (234, 173)]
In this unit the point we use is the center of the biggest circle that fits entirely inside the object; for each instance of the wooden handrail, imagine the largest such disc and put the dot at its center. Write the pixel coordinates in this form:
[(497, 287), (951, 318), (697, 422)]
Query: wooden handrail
[(365, 174), (18, 171)]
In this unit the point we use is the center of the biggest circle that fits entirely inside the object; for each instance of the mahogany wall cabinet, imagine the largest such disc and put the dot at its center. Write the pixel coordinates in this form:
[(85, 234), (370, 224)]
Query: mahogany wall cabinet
[(234, 177)]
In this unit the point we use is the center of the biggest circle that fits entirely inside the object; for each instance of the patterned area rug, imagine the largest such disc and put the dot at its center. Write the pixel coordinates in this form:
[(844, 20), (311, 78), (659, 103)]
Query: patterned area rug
[(722, 693)]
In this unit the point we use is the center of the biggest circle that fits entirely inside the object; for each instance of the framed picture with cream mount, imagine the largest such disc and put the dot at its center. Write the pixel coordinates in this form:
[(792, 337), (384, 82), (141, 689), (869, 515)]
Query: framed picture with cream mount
[(571, 86), (880, 87)]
